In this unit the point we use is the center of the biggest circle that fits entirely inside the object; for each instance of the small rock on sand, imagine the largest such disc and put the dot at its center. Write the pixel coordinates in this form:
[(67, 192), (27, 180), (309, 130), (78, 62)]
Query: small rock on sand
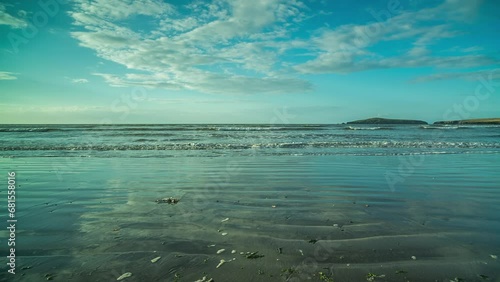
[(220, 251), (169, 200)]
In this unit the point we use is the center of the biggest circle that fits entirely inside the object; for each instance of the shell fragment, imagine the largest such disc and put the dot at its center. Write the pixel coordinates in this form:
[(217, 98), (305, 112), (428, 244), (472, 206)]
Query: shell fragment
[(124, 275), (220, 263), (155, 259)]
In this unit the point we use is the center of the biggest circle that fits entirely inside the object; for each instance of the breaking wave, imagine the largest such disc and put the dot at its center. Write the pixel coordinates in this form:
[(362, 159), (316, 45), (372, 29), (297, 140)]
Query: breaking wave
[(368, 128), (239, 146)]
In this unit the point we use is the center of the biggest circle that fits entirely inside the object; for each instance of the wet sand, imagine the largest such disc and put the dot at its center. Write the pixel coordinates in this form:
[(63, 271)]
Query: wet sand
[(97, 219)]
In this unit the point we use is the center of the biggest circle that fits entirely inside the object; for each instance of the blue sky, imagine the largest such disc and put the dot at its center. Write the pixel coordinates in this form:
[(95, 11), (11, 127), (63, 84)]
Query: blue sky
[(239, 61)]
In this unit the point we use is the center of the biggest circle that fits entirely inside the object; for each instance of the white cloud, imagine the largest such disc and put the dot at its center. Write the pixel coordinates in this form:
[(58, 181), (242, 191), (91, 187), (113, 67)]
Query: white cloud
[(215, 48), (19, 108), (4, 75), (79, 80), (72, 109), (122, 9), (210, 82), (489, 75), (192, 101), (347, 48), (240, 46), (472, 49), (7, 19)]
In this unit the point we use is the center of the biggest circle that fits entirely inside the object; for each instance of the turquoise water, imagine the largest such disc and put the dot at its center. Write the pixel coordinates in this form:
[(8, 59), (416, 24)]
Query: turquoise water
[(243, 140), (377, 200)]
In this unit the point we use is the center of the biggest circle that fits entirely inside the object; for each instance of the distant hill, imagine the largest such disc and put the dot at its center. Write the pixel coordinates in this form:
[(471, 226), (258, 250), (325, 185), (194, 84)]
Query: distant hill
[(386, 121), (471, 121)]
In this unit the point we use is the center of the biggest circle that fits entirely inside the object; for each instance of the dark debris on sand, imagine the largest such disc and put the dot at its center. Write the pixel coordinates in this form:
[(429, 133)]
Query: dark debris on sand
[(169, 200)]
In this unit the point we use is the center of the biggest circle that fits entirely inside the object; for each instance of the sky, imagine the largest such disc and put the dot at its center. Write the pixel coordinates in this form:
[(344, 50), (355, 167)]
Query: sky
[(240, 61)]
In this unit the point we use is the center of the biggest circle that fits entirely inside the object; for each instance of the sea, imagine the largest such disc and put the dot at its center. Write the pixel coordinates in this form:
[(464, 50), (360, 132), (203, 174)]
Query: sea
[(256, 202)]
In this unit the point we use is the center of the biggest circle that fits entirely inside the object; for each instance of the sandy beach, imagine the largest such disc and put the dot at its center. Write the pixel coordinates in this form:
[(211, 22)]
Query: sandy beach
[(296, 218)]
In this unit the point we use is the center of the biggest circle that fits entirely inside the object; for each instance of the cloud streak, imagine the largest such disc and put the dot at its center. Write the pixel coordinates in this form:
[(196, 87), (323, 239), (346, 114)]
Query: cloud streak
[(492, 75), (79, 80), (348, 48), (212, 49), (4, 75), (238, 47), (9, 20)]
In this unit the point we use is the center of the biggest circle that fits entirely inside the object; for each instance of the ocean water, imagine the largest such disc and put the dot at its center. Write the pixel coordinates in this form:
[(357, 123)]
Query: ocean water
[(402, 203), (243, 140)]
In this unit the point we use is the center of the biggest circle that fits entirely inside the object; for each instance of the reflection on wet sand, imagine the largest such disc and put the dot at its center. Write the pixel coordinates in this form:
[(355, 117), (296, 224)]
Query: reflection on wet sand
[(291, 219)]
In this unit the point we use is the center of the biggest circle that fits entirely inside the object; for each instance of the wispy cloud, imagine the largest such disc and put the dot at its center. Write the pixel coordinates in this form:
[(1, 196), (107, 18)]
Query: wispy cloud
[(472, 49), (489, 75), (123, 9), (157, 100), (79, 80), (4, 75), (18, 108), (213, 48), (348, 48), (237, 46), (12, 21)]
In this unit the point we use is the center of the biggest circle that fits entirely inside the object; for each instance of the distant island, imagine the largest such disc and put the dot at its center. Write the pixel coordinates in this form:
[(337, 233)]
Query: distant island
[(471, 121), (386, 121)]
